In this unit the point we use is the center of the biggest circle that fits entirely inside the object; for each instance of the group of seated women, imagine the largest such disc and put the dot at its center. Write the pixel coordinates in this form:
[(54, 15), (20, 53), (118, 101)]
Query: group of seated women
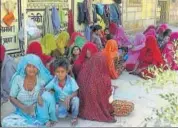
[(73, 75)]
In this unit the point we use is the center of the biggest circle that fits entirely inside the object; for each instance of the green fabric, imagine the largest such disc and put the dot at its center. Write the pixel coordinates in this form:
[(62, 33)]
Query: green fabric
[(80, 41), (62, 16), (48, 43)]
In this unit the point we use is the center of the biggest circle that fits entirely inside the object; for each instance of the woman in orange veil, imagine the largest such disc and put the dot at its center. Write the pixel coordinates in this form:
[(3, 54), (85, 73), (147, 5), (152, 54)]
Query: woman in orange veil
[(112, 57)]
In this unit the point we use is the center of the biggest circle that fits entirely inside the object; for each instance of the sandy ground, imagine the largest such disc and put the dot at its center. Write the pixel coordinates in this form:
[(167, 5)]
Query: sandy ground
[(144, 103)]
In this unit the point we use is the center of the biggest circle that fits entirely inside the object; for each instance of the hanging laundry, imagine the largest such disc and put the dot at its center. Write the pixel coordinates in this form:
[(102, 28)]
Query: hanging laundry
[(55, 20), (62, 17), (87, 33), (100, 9), (94, 14), (47, 23), (81, 14), (106, 15), (88, 9), (115, 14), (70, 28)]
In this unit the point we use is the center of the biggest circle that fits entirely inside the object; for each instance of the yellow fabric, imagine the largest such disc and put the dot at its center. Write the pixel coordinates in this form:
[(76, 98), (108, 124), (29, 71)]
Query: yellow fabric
[(62, 41), (101, 22), (48, 44)]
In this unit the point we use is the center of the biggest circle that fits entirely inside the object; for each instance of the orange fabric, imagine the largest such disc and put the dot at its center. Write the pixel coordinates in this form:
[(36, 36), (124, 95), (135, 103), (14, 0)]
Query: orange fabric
[(111, 52), (9, 18)]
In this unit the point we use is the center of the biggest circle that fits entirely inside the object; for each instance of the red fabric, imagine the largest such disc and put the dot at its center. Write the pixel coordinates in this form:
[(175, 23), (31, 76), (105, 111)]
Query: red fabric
[(169, 51), (61, 85), (73, 37), (130, 67), (113, 28), (3, 50), (78, 63), (70, 28), (160, 30), (149, 27), (35, 48), (150, 55), (95, 89)]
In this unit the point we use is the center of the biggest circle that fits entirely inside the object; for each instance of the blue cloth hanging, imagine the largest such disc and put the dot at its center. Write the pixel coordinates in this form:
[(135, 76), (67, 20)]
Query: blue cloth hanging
[(100, 9), (55, 20), (87, 33)]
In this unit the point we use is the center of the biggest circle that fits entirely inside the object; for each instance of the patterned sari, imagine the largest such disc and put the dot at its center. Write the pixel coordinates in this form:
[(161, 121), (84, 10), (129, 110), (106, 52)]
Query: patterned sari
[(94, 81)]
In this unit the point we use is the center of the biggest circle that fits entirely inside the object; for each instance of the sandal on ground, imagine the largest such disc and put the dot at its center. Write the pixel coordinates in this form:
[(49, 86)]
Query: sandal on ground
[(74, 121)]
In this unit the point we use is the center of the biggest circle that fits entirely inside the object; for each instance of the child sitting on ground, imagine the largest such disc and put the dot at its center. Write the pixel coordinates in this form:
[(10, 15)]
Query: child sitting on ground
[(65, 91)]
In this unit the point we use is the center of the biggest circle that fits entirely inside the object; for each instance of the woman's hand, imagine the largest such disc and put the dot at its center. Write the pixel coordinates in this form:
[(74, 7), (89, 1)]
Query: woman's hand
[(29, 109)]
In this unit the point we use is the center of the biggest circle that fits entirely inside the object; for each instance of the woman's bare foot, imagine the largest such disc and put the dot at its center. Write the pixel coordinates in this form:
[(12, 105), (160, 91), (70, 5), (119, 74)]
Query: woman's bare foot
[(74, 121)]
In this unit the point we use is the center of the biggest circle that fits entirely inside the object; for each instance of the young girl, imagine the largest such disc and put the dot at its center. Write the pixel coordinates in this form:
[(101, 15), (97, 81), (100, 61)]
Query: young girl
[(75, 52)]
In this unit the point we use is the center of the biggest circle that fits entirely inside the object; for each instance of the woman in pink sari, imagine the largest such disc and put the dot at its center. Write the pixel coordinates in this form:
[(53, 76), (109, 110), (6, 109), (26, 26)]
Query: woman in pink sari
[(134, 52), (169, 52), (119, 35)]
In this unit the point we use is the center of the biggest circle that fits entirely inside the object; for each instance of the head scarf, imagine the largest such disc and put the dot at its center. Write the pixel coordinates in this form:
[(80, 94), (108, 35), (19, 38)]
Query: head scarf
[(165, 26), (88, 46), (80, 41), (35, 48), (151, 53), (62, 41), (151, 32), (111, 52), (174, 36), (149, 27), (160, 30), (78, 63), (43, 73), (93, 96), (3, 50), (73, 37), (119, 34), (139, 43), (48, 44)]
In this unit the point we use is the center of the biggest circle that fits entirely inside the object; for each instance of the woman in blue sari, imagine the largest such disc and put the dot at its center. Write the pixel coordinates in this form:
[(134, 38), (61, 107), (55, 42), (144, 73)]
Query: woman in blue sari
[(33, 106)]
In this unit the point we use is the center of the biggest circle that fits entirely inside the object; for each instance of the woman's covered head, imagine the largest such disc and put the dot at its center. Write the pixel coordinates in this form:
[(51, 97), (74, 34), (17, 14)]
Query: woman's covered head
[(174, 36), (89, 49), (61, 67), (111, 46), (139, 39), (31, 64), (34, 48)]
